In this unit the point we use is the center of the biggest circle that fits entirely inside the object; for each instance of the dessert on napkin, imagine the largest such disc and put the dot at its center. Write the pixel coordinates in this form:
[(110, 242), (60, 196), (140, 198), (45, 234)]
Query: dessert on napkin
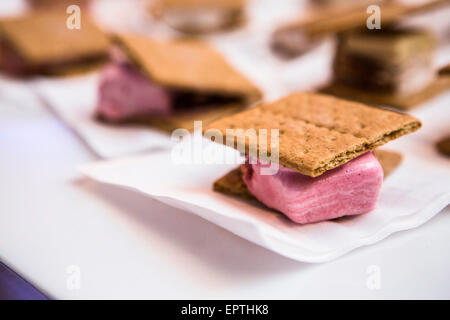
[(41, 43), (169, 84), (326, 165)]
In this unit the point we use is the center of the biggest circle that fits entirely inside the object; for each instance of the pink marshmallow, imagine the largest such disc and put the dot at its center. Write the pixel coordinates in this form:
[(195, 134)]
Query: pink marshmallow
[(125, 93), (350, 189)]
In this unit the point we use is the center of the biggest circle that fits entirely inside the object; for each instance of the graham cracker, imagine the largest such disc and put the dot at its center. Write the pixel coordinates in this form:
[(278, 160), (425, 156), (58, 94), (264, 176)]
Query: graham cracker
[(233, 184), (391, 45), (43, 39), (402, 102), (316, 132), (188, 65), (75, 69)]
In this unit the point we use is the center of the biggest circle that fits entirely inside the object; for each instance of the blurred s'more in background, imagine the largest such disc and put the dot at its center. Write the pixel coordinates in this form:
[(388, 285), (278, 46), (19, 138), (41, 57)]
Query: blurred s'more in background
[(394, 66), (168, 84), (388, 62), (393, 60), (333, 17), (52, 4), (200, 16), (40, 42)]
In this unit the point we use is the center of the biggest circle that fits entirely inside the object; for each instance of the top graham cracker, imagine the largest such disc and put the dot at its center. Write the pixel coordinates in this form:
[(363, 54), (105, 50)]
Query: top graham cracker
[(187, 64), (42, 37), (317, 132)]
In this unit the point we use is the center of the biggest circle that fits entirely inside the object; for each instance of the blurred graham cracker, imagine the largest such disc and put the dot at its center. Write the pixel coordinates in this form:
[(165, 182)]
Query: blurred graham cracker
[(317, 132), (225, 4), (188, 65), (183, 15), (233, 184), (76, 69), (407, 102), (42, 39), (39, 4)]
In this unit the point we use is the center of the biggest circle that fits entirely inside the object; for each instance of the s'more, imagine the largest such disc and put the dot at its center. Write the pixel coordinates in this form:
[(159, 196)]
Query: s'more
[(393, 66), (200, 16), (41, 43), (327, 166), (392, 60), (169, 84)]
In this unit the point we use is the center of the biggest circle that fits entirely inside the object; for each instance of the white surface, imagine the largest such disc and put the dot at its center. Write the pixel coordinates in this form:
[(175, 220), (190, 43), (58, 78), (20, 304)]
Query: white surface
[(129, 246)]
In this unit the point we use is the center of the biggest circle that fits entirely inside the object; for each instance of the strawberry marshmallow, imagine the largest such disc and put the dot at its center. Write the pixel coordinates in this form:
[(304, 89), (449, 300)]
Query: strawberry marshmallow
[(350, 189), (125, 93)]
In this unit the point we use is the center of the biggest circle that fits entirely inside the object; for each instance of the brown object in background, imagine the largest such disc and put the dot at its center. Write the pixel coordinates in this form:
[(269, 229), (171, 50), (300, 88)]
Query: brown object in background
[(445, 71), (41, 43), (443, 146), (317, 132), (45, 4), (408, 102), (334, 20), (388, 159), (200, 16), (233, 184)]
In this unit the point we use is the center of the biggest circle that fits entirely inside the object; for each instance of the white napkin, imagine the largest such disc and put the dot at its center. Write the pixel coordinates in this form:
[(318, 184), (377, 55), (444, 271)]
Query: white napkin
[(73, 100), (410, 196)]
